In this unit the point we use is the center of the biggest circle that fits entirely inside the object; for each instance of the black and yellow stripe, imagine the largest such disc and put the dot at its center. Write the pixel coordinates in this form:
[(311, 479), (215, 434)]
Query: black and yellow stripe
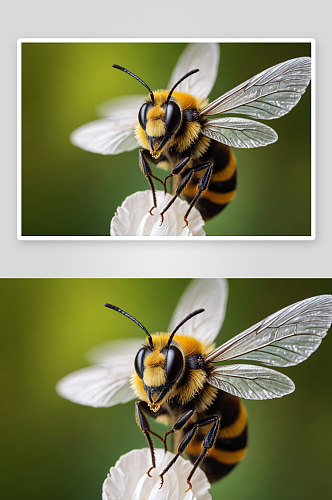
[(222, 187), (231, 443)]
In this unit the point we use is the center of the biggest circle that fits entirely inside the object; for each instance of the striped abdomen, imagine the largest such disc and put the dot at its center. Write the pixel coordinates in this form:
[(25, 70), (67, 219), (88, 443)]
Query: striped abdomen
[(222, 187), (231, 443)]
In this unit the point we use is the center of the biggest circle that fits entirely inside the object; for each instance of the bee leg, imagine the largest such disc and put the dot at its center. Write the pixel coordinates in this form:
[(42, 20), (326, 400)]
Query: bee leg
[(146, 429), (176, 170), (146, 169), (202, 186), (179, 424), (178, 191), (208, 443)]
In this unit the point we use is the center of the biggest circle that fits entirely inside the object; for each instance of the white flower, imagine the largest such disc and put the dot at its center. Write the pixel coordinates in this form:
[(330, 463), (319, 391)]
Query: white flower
[(134, 219), (128, 479)]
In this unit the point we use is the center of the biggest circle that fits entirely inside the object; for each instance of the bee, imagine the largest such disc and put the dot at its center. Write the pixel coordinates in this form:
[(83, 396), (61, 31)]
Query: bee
[(177, 382), (176, 129)]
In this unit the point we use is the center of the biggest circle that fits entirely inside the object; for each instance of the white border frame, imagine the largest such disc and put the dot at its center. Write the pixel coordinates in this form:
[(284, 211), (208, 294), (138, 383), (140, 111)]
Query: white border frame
[(312, 41)]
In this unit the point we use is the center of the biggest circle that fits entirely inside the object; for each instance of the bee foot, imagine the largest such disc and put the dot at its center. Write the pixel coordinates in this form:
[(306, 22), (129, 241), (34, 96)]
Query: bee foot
[(185, 223), (148, 472), (190, 487)]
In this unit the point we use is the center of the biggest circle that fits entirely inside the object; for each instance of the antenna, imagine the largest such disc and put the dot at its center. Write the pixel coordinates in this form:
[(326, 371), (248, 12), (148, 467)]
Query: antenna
[(181, 80), (121, 311), (198, 311), (116, 66)]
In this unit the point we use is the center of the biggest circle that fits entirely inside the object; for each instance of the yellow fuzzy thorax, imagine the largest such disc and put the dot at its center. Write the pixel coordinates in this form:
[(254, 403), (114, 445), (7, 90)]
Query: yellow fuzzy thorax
[(188, 345), (156, 127), (154, 373), (184, 100)]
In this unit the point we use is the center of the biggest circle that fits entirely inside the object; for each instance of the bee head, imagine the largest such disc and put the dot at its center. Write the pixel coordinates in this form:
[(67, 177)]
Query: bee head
[(160, 363), (159, 120), (160, 367), (159, 370)]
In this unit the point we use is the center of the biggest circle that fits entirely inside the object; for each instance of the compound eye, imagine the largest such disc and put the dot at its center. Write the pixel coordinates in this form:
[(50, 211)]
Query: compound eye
[(172, 117), (142, 115), (174, 364), (139, 362)]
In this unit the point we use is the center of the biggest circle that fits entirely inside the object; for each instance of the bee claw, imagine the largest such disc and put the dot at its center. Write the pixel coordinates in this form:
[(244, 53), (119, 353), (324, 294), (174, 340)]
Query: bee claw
[(185, 223), (162, 219), (161, 482), (150, 211), (148, 472), (190, 487)]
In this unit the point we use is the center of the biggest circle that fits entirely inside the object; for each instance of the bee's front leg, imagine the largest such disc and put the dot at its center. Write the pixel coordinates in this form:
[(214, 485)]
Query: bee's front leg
[(177, 169), (146, 169), (146, 429), (179, 424)]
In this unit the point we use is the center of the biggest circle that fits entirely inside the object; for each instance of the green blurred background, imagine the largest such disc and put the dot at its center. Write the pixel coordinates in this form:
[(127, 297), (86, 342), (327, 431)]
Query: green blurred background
[(70, 192), (54, 449)]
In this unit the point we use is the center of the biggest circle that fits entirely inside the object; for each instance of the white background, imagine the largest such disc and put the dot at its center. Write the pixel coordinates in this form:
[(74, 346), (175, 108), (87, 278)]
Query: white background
[(74, 18)]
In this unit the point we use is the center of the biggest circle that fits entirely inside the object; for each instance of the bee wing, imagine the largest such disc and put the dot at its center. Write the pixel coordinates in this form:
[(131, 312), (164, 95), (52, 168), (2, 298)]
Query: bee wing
[(116, 132), (116, 353), (268, 95), (97, 386), (251, 382), (106, 136), (106, 384), (208, 293), (285, 338), (124, 108), (239, 132), (205, 57)]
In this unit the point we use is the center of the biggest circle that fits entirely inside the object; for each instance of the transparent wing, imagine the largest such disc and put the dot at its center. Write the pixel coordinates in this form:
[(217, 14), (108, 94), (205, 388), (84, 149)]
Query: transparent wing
[(118, 353), (251, 382), (107, 384), (268, 95), (239, 132), (210, 294), (285, 338), (97, 386), (105, 136), (123, 108), (205, 57)]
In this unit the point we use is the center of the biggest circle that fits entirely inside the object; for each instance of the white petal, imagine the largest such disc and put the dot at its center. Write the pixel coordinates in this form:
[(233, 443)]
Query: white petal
[(209, 294), (133, 218), (202, 56), (115, 488), (163, 493), (138, 485)]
